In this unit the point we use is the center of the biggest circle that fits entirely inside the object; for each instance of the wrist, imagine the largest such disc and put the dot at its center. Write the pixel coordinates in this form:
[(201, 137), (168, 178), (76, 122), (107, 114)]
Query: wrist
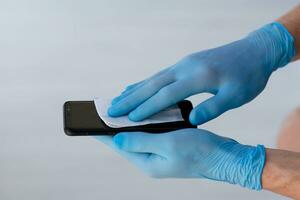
[(243, 165), (253, 161), (275, 44), (281, 173), (291, 22)]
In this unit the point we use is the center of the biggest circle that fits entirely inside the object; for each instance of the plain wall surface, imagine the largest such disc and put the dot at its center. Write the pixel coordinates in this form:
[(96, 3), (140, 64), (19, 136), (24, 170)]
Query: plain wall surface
[(57, 50)]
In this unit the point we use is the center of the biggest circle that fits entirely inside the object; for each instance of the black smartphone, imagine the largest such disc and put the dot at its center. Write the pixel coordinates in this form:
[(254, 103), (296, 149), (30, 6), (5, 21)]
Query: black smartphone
[(81, 119)]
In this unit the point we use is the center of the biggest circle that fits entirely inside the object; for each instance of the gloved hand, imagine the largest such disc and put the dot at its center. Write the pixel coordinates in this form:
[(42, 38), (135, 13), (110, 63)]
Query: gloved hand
[(191, 153), (235, 74)]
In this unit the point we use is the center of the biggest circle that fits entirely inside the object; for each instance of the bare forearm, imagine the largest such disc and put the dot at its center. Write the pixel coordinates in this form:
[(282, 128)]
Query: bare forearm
[(282, 168), (282, 173), (291, 21)]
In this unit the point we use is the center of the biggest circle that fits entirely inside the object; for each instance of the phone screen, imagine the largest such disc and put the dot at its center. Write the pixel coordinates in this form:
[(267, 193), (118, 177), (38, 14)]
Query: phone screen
[(81, 115), (81, 118)]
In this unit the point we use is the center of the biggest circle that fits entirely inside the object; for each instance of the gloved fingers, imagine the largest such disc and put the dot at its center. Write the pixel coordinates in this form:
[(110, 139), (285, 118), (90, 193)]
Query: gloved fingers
[(195, 85), (133, 87), (210, 109), (106, 139), (134, 99), (144, 161), (163, 99), (140, 142), (127, 92), (137, 158)]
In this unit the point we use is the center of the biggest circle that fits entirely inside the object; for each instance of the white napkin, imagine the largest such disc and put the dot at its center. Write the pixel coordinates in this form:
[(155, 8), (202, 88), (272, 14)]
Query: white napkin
[(170, 114)]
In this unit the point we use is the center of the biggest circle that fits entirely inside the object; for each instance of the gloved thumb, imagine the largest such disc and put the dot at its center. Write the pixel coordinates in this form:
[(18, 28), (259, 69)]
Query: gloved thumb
[(209, 109), (138, 142)]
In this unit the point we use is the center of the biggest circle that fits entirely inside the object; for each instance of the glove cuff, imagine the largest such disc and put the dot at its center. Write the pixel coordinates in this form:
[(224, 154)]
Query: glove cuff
[(256, 161), (248, 166), (277, 43)]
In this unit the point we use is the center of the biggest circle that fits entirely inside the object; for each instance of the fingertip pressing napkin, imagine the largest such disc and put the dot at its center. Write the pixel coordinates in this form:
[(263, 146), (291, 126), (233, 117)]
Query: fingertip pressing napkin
[(171, 114)]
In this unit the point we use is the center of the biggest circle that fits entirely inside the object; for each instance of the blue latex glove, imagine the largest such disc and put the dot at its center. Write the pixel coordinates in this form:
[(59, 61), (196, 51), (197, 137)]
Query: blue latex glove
[(191, 153), (235, 74)]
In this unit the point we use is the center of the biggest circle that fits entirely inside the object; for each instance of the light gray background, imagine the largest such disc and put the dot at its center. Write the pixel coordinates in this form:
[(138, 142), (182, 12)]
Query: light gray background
[(57, 50)]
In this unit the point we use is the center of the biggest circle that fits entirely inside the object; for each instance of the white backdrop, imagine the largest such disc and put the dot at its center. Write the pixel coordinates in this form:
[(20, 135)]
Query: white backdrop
[(57, 50)]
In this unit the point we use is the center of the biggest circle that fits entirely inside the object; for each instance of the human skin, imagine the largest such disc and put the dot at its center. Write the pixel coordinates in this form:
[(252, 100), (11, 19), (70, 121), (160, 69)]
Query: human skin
[(292, 22), (281, 173), (289, 136)]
